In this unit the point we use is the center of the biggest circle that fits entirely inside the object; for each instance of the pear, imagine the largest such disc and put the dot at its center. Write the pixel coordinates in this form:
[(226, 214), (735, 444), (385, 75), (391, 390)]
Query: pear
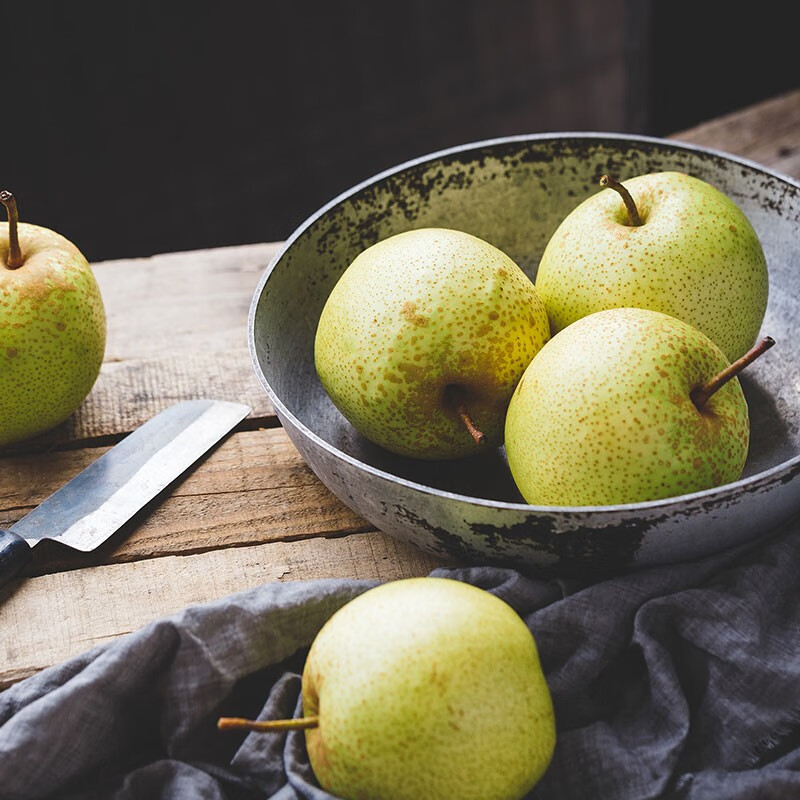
[(665, 241), (625, 406), (423, 339), (424, 688), (52, 327)]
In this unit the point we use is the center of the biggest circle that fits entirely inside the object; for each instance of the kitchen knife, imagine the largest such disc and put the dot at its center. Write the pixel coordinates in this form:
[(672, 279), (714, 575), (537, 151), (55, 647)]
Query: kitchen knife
[(95, 503)]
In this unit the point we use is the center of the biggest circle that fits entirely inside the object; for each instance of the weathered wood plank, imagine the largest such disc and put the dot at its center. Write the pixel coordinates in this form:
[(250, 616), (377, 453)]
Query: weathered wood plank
[(247, 460), (766, 133), (180, 302), (96, 604), (253, 488), (130, 392)]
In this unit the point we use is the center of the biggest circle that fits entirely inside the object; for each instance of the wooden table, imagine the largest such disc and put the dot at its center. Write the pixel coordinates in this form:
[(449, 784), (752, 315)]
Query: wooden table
[(250, 512)]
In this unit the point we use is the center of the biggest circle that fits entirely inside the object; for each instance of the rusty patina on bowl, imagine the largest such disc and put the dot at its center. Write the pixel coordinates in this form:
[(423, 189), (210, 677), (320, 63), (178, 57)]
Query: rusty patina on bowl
[(513, 192)]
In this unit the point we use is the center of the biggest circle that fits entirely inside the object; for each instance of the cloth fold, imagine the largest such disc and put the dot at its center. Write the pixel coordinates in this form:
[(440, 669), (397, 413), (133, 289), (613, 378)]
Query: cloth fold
[(680, 681)]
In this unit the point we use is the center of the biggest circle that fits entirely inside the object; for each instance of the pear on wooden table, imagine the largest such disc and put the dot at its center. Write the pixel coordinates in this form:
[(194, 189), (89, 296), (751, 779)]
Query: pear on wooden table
[(52, 327)]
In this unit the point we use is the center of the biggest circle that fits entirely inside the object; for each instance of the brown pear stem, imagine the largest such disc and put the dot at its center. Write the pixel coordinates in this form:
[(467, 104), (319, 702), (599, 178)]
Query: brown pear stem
[(15, 259), (267, 726), (633, 213), (455, 399), (701, 395)]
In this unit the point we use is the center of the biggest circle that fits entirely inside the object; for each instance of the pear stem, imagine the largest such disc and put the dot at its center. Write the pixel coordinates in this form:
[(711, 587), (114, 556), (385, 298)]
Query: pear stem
[(454, 397), (633, 213), (267, 726), (15, 259), (701, 395)]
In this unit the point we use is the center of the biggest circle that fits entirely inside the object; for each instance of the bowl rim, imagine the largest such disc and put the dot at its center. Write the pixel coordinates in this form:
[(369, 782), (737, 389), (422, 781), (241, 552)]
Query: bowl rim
[(718, 493)]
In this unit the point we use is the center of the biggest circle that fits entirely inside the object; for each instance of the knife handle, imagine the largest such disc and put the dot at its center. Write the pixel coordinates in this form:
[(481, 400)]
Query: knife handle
[(15, 553)]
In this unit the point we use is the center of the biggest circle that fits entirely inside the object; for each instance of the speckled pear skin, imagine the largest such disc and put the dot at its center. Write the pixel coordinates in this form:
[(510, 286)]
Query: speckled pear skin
[(602, 416), (696, 257), (427, 688), (52, 333), (415, 313)]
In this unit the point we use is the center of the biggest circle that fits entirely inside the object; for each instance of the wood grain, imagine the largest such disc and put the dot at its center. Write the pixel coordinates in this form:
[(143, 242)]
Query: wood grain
[(97, 604), (254, 488), (177, 303), (766, 133)]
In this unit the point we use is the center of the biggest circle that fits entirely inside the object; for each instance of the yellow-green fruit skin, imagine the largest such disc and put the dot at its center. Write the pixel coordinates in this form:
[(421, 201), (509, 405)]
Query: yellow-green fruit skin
[(419, 311), (427, 688), (603, 416), (696, 256), (52, 333)]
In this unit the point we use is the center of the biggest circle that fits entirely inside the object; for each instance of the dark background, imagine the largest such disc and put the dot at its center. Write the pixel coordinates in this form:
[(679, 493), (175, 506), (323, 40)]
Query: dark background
[(142, 127)]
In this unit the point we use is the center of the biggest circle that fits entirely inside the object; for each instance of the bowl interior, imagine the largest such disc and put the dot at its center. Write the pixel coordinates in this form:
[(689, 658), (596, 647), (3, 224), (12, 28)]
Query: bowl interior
[(514, 193)]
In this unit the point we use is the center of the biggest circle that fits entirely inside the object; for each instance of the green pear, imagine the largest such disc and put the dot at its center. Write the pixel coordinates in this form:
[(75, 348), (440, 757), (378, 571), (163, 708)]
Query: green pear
[(625, 406), (423, 339), (674, 244), (425, 688), (52, 328)]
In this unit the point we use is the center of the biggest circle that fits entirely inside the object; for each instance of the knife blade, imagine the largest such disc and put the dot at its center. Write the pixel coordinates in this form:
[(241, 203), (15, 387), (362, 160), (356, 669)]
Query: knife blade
[(84, 512)]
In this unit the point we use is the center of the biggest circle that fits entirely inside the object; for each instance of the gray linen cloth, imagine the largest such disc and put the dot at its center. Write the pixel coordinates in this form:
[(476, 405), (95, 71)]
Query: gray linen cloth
[(679, 681)]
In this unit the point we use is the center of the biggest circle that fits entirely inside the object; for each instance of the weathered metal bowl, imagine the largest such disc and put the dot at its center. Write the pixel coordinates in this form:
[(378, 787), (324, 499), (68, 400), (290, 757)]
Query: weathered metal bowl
[(513, 192)]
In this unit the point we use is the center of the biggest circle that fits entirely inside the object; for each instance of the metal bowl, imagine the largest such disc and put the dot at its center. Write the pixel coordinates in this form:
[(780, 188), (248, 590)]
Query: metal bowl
[(514, 192)]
